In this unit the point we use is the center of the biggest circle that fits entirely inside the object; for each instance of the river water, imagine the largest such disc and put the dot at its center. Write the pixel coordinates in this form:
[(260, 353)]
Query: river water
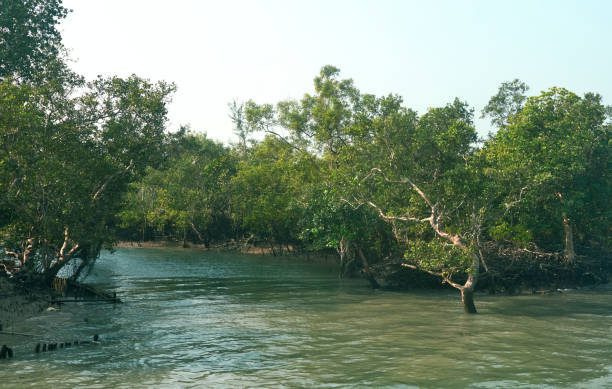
[(205, 319)]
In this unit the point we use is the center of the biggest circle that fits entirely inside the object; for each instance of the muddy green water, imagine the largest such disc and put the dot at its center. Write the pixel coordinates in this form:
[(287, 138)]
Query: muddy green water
[(203, 319)]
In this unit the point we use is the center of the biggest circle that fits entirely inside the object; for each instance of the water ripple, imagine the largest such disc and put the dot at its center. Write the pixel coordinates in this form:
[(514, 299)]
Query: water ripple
[(194, 319)]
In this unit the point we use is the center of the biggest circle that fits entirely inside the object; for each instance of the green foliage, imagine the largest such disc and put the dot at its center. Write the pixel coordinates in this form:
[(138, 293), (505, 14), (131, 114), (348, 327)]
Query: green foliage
[(506, 103), (29, 39), (355, 134), (187, 198), (517, 234), (551, 160), (438, 257), (267, 190), (68, 152)]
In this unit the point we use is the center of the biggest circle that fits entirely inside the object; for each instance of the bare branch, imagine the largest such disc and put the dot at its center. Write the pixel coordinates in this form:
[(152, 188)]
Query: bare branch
[(480, 254), (422, 195), (433, 273), (540, 253), (433, 219), (386, 217), (355, 205), (376, 170), (72, 251), (27, 251)]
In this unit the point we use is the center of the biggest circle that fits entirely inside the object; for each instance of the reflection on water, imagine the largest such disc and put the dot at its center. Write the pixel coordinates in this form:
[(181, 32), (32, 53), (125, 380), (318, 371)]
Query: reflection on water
[(193, 318)]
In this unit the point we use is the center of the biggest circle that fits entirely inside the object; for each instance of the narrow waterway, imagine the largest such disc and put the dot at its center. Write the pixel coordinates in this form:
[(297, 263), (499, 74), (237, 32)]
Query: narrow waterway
[(194, 318)]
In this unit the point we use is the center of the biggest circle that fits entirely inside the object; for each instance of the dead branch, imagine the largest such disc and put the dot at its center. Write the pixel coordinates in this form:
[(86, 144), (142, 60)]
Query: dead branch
[(64, 244), (539, 253), (284, 140)]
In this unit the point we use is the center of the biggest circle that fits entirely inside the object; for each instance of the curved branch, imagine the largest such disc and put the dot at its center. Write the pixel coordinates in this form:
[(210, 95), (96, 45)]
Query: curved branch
[(433, 273), (434, 222)]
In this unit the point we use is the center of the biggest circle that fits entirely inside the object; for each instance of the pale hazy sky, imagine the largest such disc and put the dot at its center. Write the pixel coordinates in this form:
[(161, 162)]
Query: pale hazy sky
[(269, 50)]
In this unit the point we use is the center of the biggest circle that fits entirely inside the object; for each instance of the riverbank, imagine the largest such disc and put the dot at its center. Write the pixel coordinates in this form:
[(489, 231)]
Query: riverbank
[(234, 246), (535, 276), (237, 247), (18, 303)]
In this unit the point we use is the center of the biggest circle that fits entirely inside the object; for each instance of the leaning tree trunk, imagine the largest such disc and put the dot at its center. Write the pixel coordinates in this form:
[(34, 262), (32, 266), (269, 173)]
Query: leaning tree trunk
[(467, 289), (467, 298), (63, 257)]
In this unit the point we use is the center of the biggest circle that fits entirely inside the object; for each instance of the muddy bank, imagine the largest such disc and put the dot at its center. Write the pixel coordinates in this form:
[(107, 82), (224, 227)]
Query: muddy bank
[(18, 302), (283, 251), (157, 244)]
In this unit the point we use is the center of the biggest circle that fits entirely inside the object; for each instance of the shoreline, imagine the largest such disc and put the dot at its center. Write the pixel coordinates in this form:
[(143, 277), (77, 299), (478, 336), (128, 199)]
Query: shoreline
[(331, 259), (18, 303), (231, 247)]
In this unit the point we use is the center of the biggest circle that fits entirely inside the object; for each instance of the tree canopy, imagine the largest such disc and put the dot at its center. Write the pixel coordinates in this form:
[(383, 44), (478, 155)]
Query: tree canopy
[(29, 39)]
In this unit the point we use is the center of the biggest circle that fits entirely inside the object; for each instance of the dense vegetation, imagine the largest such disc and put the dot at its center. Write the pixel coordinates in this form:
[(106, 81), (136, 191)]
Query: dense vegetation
[(69, 148), (395, 193)]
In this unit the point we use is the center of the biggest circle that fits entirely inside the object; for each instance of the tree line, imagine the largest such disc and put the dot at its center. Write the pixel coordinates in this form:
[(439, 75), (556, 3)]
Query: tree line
[(393, 192)]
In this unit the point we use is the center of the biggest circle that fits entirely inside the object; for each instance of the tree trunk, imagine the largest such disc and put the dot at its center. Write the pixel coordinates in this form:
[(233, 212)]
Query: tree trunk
[(194, 229), (568, 236), (184, 238), (467, 298), (272, 250), (342, 252), (570, 254), (366, 270), (467, 290)]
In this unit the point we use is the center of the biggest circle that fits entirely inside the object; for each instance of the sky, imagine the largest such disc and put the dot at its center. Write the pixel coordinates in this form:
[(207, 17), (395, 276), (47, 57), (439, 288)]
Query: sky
[(427, 51)]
